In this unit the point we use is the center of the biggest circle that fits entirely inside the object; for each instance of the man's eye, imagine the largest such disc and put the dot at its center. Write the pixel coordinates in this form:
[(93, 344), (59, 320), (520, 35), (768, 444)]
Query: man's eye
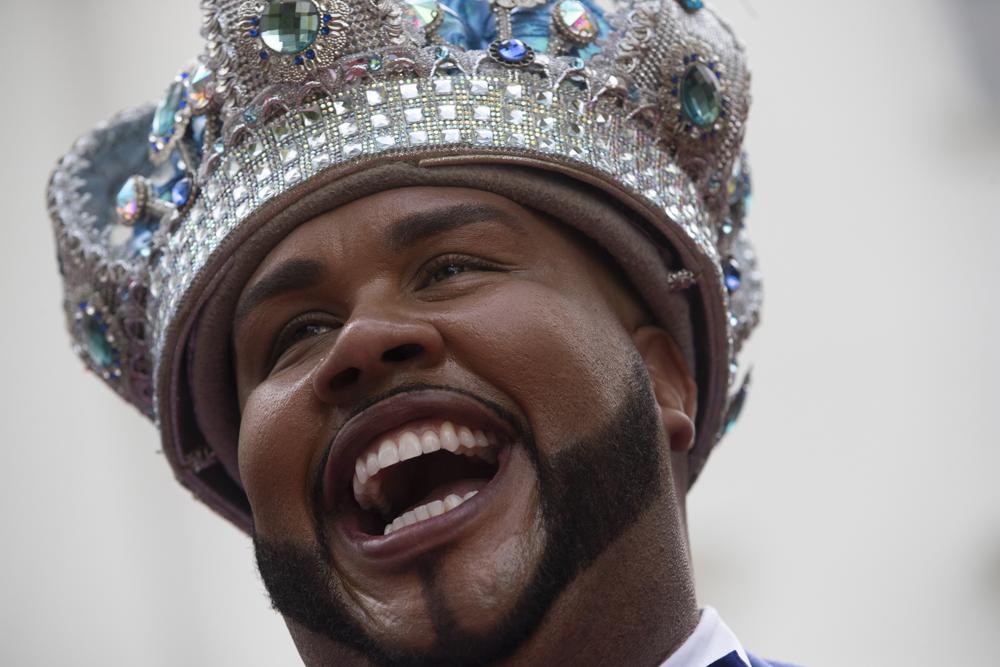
[(449, 266), (294, 334)]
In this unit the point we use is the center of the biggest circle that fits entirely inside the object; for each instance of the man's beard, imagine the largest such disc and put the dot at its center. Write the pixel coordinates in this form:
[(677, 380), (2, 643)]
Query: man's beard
[(590, 493)]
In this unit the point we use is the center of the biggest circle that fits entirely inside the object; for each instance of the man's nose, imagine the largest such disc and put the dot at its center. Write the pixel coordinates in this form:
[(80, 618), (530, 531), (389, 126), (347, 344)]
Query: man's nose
[(370, 349)]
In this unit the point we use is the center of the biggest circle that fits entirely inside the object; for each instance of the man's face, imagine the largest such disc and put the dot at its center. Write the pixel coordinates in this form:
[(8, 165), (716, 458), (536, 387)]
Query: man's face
[(450, 443)]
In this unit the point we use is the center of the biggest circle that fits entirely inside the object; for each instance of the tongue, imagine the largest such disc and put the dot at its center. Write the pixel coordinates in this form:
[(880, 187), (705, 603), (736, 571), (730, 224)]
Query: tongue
[(459, 487)]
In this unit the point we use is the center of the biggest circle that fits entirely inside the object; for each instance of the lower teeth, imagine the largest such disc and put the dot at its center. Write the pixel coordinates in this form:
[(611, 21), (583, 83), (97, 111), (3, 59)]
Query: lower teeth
[(424, 512)]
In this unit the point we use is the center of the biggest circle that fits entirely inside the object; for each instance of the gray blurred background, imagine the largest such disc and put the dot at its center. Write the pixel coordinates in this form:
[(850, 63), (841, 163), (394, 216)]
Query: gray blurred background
[(852, 518)]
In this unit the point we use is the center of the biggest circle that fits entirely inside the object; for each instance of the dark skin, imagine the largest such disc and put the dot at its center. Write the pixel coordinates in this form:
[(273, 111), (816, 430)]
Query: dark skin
[(509, 307)]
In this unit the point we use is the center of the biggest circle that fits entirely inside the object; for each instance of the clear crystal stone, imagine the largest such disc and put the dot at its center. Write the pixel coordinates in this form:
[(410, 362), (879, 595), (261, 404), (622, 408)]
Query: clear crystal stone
[(413, 114)]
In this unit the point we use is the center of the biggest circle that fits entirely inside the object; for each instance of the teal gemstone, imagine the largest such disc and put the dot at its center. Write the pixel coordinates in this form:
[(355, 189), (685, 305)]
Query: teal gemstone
[(701, 98), (289, 26), (98, 348), (166, 112)]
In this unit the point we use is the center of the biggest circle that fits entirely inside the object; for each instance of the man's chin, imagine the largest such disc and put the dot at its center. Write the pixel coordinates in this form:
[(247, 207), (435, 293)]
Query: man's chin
[(477, 601)]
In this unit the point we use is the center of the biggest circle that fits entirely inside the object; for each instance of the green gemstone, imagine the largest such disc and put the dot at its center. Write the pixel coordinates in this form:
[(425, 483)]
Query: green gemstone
[(97, 345), (289, 26), (701, 98), (166, 111)]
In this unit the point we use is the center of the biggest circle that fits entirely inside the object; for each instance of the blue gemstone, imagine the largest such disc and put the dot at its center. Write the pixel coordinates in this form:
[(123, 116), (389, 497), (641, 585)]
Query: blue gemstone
[(198, 125), (325, 30), (441, 52), (254, 33), (310, 54), (251, 115), (181, 192), (141, 241), (701, 98), (512, 50), (298, 60), (264, 55), (732, 275), (692, 5), (577, 63)]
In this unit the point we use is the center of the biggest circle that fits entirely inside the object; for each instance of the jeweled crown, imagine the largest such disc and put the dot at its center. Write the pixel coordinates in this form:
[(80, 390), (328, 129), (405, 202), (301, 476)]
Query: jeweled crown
[(648, 100)]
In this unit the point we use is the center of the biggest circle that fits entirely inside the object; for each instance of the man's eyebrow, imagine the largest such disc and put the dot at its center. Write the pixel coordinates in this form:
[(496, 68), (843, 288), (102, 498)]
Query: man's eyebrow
[(422, 225), (291, 276)]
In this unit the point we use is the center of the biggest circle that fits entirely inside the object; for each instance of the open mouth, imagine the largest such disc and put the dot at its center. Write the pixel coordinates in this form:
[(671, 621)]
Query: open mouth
[(420, 472), (405, 474)]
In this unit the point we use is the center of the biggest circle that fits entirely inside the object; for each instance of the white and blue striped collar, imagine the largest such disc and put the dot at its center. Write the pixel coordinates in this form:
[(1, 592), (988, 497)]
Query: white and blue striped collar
[(711, 640)]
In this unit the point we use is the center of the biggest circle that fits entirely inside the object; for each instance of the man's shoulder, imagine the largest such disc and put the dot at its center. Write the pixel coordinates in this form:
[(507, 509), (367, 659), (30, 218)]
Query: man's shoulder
[(757, 662)]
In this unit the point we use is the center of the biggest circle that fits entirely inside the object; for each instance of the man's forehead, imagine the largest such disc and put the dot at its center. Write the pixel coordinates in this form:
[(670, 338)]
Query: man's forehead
[(396, 218)]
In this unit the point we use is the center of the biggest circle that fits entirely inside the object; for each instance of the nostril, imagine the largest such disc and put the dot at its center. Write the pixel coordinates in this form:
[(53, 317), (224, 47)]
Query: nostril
[(345, 378), (402, 352)]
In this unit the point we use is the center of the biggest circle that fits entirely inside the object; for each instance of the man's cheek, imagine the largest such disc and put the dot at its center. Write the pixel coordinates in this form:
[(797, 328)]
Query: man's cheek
[(526, 342), (277, 442)]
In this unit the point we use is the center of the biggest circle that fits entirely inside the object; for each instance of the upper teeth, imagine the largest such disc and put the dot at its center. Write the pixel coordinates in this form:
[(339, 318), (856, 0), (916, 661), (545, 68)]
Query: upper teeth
[(410, 444)]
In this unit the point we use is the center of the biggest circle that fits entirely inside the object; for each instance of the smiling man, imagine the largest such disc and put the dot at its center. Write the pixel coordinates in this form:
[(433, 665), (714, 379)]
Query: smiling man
[(443, 305)]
